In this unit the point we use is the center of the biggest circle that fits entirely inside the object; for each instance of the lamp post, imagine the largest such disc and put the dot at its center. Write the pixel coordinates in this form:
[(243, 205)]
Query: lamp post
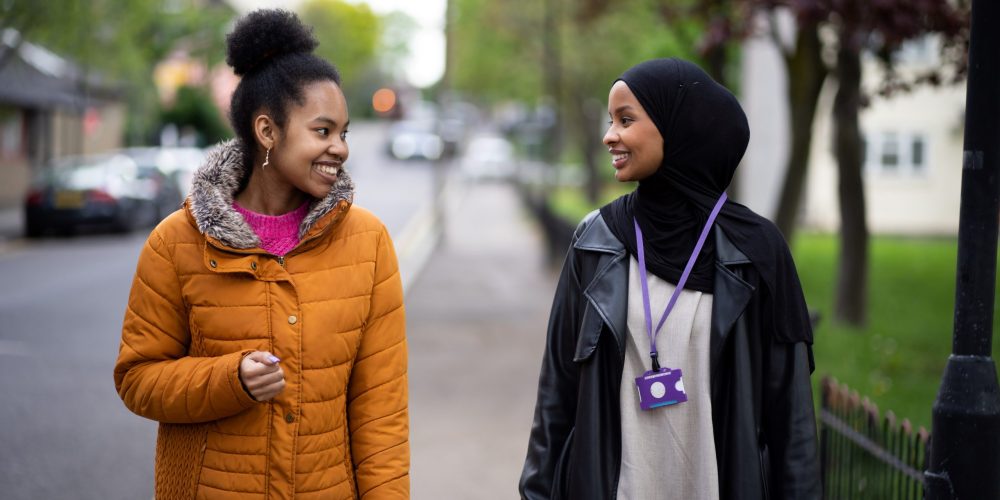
[(965, 444)]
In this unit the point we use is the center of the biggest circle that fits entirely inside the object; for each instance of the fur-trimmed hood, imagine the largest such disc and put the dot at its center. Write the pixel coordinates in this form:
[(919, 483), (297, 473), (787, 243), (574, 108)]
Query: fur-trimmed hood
[(214, 188)]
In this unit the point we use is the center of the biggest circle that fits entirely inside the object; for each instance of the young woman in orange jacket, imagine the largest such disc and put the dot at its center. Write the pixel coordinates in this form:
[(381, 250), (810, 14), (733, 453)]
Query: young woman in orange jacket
[(265, 327)]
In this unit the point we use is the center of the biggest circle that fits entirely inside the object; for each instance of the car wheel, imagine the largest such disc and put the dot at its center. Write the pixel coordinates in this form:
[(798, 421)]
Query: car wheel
[(33, 228), (125, 222)]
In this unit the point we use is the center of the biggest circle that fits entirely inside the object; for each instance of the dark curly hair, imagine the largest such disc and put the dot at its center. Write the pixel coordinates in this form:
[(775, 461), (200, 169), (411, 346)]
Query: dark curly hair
[(272, 51)]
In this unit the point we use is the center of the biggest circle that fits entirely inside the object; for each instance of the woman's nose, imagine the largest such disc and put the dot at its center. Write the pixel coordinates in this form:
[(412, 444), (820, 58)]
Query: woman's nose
[(610, 137), (339, 148)]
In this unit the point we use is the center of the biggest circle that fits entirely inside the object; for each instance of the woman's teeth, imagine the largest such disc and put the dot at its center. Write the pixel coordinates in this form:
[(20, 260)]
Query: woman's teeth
[(619, 157), (328, 169)]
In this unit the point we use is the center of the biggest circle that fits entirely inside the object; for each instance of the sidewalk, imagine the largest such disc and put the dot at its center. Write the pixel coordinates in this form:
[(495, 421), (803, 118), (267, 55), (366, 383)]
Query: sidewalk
[(11, 229), (476, 319), (11, 222)]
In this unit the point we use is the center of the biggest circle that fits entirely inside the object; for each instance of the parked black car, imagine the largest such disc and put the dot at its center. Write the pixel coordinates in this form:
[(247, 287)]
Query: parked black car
[(177, 163), (110, 191), (414, 140)]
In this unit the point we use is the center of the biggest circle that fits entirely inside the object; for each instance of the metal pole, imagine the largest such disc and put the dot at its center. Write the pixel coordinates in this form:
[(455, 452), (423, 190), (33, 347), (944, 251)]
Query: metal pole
[(965, 443)]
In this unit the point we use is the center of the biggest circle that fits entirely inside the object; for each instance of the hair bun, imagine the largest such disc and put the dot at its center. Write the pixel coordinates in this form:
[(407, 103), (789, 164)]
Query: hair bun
[(264, 34)]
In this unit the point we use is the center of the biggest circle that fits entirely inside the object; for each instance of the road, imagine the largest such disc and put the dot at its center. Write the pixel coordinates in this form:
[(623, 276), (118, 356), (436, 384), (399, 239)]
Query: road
[(64, 433)]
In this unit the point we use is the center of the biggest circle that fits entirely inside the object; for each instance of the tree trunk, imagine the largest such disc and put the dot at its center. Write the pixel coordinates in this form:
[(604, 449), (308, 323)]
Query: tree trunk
[(852, 279), (806, 74), (715, 65), (449, 46), (552, 72), (588, 136)]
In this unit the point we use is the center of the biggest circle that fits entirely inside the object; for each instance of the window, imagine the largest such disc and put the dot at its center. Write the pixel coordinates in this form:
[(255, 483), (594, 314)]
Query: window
[(917, 153), (920, 51), (890, 153), (865, 162), (11, 134)]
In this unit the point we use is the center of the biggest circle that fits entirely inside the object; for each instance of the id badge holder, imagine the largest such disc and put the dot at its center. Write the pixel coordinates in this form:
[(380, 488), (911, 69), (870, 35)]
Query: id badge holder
[(663, 387)]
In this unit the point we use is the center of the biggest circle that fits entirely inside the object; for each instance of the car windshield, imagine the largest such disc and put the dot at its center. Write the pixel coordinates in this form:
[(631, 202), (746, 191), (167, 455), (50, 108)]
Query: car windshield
[(167, 159), (143, 156), (493, 148), (89, 172), (424, 126)]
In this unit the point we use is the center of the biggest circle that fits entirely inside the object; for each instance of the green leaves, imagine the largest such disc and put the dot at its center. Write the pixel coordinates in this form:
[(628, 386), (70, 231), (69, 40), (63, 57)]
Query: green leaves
[(348, 35)]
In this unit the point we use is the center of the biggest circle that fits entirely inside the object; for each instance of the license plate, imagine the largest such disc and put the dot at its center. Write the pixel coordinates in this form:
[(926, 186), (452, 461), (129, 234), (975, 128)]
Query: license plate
[(69, 199)]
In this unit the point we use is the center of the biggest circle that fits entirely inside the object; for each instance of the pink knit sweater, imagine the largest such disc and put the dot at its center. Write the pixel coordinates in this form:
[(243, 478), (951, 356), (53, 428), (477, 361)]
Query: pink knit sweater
[(278, 233)]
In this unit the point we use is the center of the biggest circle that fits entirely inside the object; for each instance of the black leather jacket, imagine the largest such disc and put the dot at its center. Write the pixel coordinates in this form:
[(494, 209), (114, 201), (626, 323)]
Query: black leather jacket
[(762, 409)]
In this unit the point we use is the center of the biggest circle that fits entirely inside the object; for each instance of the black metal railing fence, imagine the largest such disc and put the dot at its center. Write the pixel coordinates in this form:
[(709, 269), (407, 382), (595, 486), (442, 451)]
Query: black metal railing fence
[(864, 456)]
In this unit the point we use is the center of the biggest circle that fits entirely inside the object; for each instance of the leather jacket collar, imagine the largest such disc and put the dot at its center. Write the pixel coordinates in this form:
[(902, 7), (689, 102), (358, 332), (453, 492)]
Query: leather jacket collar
[(607, 293)]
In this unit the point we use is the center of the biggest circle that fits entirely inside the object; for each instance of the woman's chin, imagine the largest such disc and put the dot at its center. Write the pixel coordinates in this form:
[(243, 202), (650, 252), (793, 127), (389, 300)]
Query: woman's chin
[(622, 176)]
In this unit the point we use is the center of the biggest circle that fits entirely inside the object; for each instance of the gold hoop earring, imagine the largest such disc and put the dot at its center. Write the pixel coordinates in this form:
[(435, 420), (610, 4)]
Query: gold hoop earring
[(267, 158)]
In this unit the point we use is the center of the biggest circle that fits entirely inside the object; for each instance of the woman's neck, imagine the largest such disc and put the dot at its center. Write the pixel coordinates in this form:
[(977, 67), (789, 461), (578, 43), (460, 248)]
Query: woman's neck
[(267, 194)]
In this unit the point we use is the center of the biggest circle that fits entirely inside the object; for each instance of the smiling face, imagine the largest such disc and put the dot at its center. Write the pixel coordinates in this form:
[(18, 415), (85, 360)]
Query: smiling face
[(310, 150), (633, 140)]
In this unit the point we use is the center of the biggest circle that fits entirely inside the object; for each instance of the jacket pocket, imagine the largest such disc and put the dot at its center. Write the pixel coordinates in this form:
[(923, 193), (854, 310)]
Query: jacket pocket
[(765, 469), (560, 478)]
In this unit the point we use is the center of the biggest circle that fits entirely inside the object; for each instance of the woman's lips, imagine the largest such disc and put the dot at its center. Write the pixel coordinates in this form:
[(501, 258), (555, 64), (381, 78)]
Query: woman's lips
[(328, 170), (618, 160)]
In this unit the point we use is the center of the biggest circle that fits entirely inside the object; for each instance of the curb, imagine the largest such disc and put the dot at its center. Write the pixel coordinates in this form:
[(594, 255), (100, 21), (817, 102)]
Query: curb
[(418, 240), (12, 245)]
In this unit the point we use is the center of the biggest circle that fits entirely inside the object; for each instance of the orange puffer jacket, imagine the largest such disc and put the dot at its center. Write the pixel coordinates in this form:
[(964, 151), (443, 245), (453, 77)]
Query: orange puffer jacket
[(205, 294)]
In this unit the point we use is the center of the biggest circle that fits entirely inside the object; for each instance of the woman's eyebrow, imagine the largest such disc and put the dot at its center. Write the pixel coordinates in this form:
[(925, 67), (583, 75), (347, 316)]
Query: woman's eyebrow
[(330, 121), (621, 108)]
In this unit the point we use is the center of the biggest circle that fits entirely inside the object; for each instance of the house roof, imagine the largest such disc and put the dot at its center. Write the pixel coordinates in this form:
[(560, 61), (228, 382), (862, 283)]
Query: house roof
[(35, 77)]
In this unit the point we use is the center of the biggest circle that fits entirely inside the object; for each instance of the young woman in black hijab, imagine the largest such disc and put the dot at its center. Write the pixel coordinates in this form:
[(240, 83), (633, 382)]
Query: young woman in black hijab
[(679, 352)]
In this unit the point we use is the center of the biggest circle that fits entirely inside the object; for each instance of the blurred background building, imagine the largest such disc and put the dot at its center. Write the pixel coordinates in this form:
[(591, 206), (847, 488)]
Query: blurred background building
[(912, 145), (50, 107)]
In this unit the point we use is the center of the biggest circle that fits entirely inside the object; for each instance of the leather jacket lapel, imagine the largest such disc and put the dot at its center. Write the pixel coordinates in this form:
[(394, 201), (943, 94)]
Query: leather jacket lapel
[(606, 291), (731, 294)]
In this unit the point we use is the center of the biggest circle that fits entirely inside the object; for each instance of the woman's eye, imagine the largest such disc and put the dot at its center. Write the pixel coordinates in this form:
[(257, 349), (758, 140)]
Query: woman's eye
[(323, 131), (343, 135)]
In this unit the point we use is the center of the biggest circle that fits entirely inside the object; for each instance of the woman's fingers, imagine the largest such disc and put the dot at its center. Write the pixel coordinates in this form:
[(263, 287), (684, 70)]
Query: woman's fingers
[(264, 379), (261, 375), (259, 370), (269, 391), (263, 357)]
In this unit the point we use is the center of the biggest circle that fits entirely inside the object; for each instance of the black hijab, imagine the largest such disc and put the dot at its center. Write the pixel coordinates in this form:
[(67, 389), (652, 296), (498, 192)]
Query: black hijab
[(705, 134)]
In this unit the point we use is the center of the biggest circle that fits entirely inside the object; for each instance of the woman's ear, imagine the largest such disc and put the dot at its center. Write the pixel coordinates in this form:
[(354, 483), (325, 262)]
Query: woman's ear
[(265, 130)]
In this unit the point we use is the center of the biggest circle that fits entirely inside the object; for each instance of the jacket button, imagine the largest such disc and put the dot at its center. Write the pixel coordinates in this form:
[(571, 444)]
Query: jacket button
[(292, 319), (253, 265), (212, 263), (289, 417)]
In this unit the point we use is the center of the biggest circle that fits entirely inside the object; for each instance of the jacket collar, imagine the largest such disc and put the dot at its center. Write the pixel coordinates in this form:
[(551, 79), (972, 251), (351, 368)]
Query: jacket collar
[(214, 187), (607, 292), (597, 237)]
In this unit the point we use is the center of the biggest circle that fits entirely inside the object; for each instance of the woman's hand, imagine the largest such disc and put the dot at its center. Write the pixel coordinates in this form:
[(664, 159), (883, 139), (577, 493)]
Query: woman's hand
[(261, 375)]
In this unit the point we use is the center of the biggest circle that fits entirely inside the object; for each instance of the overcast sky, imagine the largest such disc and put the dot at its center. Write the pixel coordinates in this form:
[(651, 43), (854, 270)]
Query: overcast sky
[(426, 63)]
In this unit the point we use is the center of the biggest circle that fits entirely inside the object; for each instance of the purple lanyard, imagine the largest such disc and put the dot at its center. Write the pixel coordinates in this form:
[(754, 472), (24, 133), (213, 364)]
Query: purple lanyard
[(680, 284)]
